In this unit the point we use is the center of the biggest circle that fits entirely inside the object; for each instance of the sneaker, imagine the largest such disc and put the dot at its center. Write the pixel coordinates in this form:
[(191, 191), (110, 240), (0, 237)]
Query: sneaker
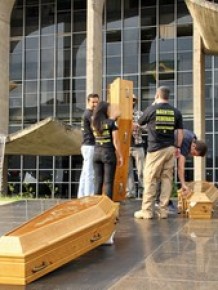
[(171, 207), (130, 196), (110, 241), (140, 214)]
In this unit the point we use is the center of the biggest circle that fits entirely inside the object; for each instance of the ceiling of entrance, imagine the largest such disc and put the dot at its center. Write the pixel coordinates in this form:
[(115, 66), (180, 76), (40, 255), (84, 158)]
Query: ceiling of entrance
[(205, 15)]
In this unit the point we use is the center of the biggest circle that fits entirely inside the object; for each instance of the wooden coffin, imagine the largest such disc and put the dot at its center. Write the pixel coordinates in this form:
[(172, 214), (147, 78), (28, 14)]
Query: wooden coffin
[(201, 203), (55, 237), (121, 95)]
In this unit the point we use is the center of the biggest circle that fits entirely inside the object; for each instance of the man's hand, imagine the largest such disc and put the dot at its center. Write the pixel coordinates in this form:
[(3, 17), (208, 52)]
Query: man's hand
[(120, 160), (177, 152), (185, 190)]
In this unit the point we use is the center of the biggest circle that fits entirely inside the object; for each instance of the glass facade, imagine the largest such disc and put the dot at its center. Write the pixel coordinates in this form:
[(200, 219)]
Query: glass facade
[(148, 42)]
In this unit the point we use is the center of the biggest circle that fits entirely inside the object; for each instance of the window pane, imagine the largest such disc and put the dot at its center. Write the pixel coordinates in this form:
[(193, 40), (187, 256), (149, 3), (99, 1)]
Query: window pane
[(64, 22), (113, 14), (31, 65), (47, 63), (148, 16), (17, 22), (32, 20), (47, 19)]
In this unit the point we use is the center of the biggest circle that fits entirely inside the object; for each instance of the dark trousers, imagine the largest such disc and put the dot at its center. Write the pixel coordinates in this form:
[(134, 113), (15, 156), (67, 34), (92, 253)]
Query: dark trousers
[(104, 163)]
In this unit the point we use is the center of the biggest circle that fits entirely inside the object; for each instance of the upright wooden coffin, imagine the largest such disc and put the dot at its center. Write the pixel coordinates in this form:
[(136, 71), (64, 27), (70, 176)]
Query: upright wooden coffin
[(121, 95), (200, 204), (55, 237)]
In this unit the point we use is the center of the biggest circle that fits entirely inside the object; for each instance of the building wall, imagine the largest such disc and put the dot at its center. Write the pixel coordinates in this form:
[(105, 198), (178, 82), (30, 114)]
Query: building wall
[(148, 42)]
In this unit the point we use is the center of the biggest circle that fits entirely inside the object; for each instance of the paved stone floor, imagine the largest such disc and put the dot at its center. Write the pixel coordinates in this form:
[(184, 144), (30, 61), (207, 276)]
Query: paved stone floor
[(172, 254)]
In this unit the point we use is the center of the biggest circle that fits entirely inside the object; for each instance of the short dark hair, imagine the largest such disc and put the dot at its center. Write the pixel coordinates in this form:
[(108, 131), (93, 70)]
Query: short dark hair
[(91, 96), (201, 147), (164, 92)]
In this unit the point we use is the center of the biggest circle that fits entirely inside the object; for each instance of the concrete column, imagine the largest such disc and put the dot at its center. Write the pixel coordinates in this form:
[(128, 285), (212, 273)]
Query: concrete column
[(94, 47), (5, 13), (199, 99)]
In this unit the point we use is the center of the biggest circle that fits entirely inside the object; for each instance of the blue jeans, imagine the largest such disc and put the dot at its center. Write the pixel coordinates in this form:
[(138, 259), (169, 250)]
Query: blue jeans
[(104, 167), (86, 183)]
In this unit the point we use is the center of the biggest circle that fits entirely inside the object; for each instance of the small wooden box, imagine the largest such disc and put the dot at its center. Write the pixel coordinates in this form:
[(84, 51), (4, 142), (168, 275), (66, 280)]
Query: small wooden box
[(201, 203), (121, 95), (55, 237)]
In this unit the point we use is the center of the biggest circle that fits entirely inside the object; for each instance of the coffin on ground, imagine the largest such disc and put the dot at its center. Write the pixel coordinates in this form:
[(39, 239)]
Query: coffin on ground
[(55, 237), (200, 202)]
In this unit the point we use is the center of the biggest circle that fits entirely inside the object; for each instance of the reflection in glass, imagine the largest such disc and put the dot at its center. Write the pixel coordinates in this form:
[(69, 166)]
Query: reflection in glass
[(47, 18), (78, 99), (216, 105), (16, 45), (63, 63), (210, 162), (184, 61), (79, 61), (16, 65), (185, 100), (47, 63), (47, 105), (47, 41), (148, 80), (130, 57), (148, 16), (32, 20), (63, 85), (131, 13), (63, 5), (79, 84), (63, 42), (113, 14), (31, 64), (185, 78), (113, 66), (79, 39), (131, 34), (167, 13), (17, 22), (64, 21), (79, 21), (63, 108), (32, 42), (148, 33), (184, 44), (183, 15)]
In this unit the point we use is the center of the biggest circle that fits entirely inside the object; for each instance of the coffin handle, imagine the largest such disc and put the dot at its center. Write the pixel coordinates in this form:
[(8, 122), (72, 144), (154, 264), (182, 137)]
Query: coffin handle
[(39, 268), (95, 238)]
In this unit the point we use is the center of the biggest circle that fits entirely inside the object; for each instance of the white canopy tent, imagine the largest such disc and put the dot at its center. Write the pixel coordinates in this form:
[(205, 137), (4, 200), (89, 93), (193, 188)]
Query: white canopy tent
[(205, 15), (49, 137)]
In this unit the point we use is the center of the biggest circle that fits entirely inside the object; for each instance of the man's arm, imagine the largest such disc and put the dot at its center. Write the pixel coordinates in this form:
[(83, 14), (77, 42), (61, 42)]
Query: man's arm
[(181, 172), (179, 137)]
